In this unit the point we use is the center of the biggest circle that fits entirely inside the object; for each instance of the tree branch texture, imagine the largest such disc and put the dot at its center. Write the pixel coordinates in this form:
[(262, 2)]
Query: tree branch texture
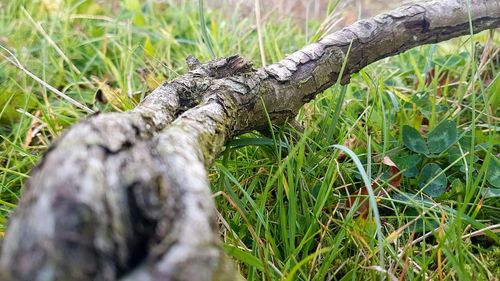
[(125, 196)]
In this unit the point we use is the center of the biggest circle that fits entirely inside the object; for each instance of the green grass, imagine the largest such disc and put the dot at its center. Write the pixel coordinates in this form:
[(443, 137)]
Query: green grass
[(284, 198)]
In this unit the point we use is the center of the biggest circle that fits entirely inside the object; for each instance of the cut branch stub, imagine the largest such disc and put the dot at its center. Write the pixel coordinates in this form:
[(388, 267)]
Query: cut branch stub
[(126, 196)]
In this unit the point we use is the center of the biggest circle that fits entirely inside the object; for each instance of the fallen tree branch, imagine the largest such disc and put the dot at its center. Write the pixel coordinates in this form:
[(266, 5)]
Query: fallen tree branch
[(126, 196)]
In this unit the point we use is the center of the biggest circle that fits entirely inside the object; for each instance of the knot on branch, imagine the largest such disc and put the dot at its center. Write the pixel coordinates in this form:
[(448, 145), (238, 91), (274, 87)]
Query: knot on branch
[(219, 68)]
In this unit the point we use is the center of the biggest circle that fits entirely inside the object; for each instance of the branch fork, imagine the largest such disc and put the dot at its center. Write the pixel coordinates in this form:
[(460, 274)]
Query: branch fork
[(125, 196)]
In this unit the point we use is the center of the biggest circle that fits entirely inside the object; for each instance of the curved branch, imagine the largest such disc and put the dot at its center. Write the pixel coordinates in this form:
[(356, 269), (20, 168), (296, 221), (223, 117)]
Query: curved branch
[(286, 85), (126, 196)]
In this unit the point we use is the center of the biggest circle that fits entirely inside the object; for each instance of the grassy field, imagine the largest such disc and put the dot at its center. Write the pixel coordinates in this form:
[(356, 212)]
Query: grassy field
[(421, 129)]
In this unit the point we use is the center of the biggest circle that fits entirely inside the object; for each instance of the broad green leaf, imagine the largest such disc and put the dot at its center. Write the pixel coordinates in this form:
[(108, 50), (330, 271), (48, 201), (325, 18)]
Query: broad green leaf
[(493, 91), (457, 185), (423, 103), (453, 154), (420, 100), (413, 140), (149, 50), (432, 180), (245, 257), (408, 163), (135, 7), (423, 225), (494, 172), (491, 192), (452, 61), (132, 5), (10, 102), (442, 137), (394, 100), (139, 20)]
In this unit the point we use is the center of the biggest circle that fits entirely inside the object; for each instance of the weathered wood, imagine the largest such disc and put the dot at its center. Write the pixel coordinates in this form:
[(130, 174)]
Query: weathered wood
[(126, 196)]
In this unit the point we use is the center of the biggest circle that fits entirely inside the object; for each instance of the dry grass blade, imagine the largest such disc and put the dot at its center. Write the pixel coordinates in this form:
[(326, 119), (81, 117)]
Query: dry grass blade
[(14, 61), (40, 29), (259, 32)]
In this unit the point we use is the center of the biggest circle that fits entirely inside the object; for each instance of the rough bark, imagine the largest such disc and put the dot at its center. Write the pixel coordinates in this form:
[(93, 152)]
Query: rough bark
[(125, 195)]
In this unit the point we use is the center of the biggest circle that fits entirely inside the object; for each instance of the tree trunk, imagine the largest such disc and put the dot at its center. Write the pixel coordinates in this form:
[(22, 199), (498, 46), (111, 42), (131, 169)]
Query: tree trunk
[(125, 196)]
